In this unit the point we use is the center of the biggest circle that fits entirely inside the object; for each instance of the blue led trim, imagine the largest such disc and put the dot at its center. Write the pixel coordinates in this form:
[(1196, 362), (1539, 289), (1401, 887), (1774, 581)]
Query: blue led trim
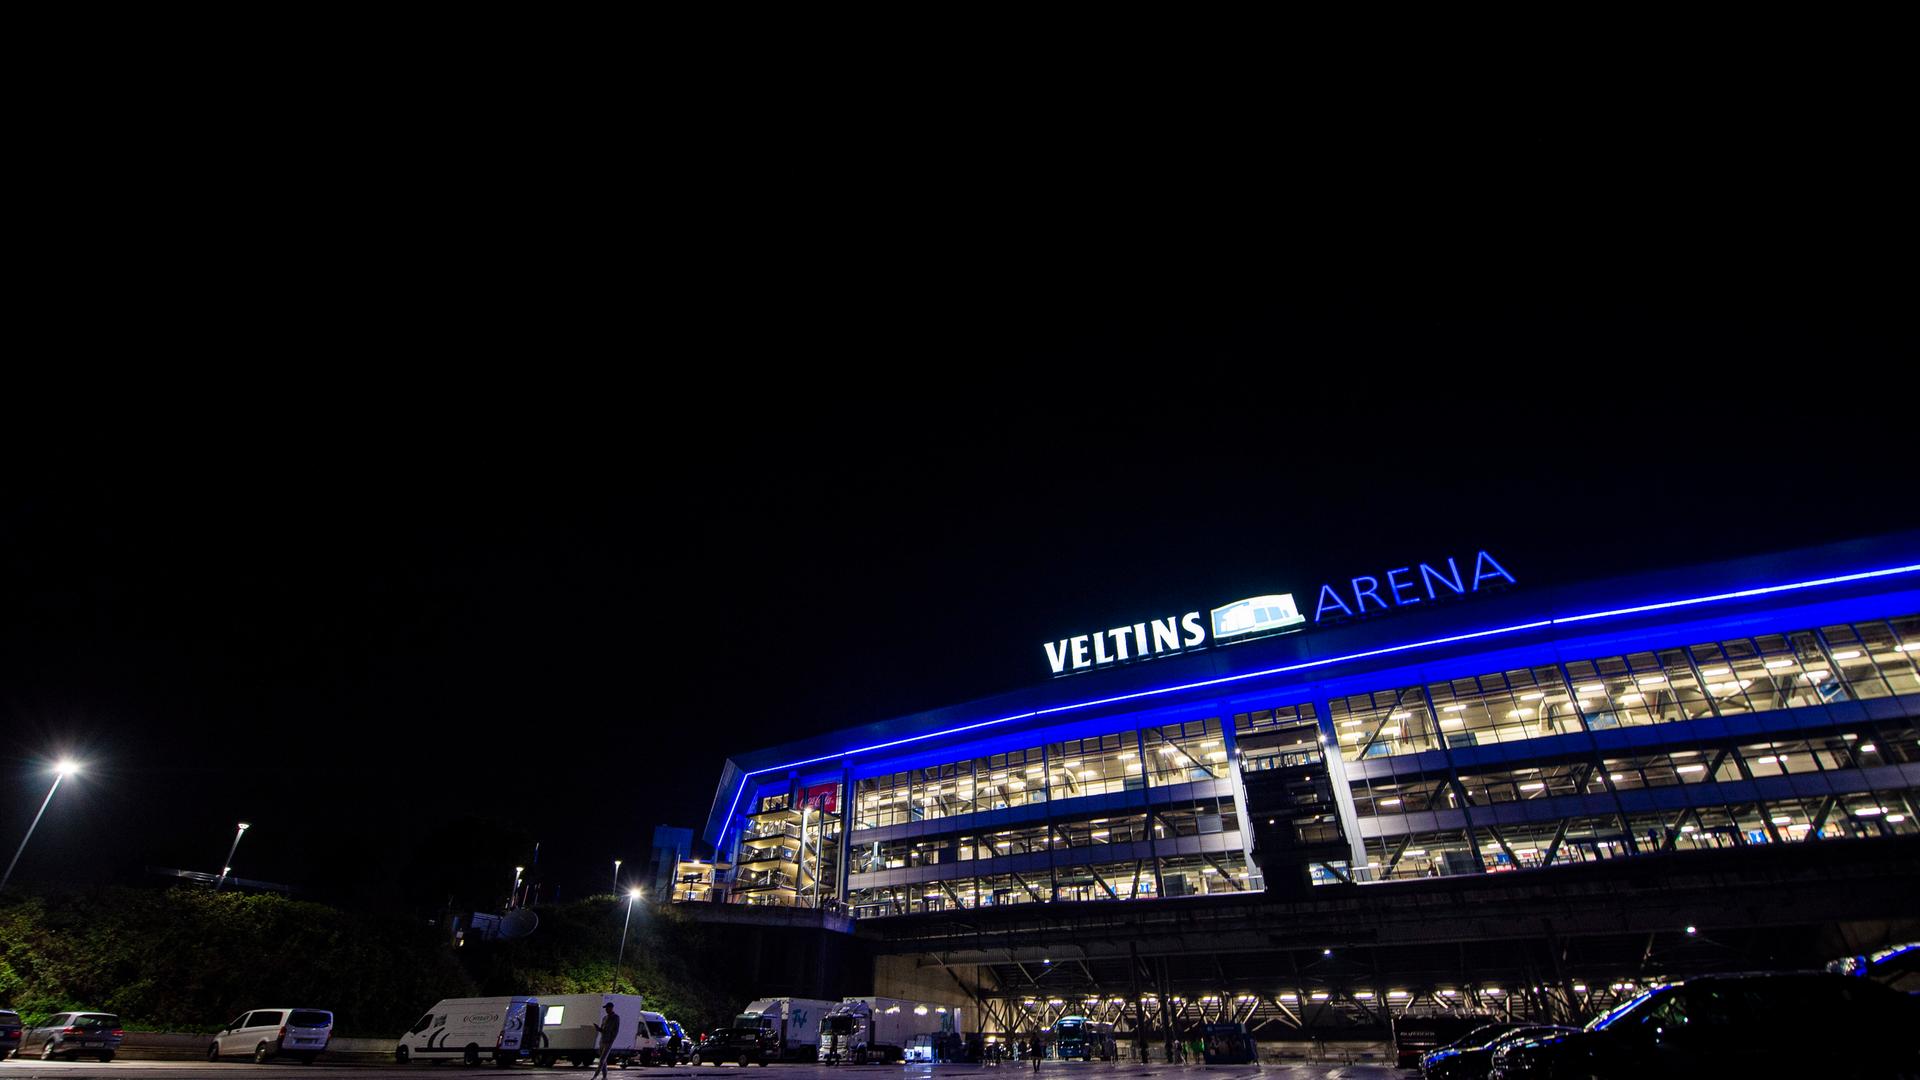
[(1741, 594), (1515, 628)]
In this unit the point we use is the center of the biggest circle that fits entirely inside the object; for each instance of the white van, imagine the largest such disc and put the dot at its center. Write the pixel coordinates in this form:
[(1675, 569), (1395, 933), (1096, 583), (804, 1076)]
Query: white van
[(653, 1043), (567, 1029), (469, 1030), (264, 1033)]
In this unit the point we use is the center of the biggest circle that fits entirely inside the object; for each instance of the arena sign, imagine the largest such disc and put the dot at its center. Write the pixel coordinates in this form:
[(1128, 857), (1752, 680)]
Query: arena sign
[(1273, 613)]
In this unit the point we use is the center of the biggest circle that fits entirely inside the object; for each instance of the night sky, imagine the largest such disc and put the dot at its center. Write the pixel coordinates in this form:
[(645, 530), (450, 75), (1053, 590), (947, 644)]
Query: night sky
[(407, 637)]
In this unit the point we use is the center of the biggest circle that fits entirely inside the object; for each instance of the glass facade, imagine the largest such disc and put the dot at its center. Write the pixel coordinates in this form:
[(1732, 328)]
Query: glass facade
[(1724, 743)]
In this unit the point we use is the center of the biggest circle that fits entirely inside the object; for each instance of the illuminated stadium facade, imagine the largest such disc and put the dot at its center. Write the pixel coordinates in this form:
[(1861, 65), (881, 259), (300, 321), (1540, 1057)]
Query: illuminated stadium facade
[(1295, 777)]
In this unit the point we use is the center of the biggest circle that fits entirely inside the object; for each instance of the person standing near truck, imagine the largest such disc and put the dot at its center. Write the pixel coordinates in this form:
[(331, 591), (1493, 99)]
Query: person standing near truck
[(608, 1029)]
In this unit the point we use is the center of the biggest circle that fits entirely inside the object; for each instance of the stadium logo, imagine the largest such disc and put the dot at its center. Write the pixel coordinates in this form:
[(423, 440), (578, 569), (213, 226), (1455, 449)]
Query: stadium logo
[(1256, 615)]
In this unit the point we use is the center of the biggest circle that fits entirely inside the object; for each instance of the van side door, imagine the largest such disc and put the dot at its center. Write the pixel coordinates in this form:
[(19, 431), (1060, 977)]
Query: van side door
[(225, 1040)]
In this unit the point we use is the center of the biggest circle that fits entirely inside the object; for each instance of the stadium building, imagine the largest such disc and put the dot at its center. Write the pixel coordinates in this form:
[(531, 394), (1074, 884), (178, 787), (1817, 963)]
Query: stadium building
[(1430, 787)]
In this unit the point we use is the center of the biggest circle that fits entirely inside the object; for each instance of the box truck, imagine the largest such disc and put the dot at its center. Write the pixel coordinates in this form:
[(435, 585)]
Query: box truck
[(500, 1029), (863, 1029), (567, 1031), (794, 1023)]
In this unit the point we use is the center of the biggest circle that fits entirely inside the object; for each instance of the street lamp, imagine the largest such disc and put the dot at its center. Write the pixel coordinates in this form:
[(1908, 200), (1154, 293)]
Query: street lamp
[(513, 898), (61, 770), (616, 875), (632, 895), (227, 867)]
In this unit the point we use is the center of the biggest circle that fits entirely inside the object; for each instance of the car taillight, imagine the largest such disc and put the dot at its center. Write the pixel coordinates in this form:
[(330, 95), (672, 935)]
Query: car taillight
[(283, 1031), (119, 1033), (71, 1031)]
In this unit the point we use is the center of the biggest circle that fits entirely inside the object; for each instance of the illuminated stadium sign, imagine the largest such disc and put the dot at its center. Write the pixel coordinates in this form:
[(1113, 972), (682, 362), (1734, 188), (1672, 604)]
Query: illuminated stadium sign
[(1406, 586), (1258, 616), (1141, 641)]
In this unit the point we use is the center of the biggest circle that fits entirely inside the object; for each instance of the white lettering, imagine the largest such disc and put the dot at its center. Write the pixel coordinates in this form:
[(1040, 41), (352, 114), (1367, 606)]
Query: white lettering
[(1140, 640), (1119, 636), (1196, 634), (1166, 635), (1056, 657), (1080, 653), (1100, 654)]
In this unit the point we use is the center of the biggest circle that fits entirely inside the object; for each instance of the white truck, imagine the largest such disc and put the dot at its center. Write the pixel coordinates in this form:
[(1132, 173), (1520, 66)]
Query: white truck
[(863, 1029), (795, 1021), (469, 1030), (567, 1029)]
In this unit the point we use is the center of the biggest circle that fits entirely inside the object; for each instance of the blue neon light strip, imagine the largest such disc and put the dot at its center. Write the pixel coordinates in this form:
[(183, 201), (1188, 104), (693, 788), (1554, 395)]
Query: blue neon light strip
[(1515, 628)]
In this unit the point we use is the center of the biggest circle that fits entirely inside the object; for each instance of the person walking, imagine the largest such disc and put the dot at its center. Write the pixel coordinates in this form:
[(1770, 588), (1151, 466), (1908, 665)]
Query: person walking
[(1037, 1051), (608, 1028)]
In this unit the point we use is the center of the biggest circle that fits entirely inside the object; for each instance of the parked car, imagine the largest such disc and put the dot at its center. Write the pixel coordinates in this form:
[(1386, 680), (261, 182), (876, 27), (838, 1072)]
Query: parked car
[(1773, 1024), (1414, 1037), (1482, 1034), (1473, 1060), (748, 1046), (71, 1034), (265, 1034), (9, 1033)]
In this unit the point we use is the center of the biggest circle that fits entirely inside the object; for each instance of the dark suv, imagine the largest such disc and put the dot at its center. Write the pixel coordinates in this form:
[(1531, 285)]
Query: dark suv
[(71, 1034), (1800, 1023), (1472, 1057), (748, 1046), (9, 1033)]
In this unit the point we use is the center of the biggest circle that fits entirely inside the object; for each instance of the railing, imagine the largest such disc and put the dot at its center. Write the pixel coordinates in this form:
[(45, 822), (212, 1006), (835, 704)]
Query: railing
[(770, 880), (761, 830), (1281, 761)]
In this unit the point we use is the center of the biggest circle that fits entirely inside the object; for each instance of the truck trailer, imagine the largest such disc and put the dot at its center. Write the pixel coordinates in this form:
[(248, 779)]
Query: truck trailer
[(568, 1031), (794, 1023), (863, 1029)]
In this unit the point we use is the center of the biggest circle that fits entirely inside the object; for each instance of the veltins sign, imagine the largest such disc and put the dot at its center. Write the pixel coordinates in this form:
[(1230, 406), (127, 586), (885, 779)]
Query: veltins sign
[(1258, 616)]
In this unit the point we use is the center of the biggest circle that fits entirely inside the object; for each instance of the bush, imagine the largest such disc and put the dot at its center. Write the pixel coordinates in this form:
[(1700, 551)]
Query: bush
[(190, 959)]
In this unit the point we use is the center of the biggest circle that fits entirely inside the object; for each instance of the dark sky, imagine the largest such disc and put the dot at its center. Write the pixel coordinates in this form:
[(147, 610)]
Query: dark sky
[(398, 626)]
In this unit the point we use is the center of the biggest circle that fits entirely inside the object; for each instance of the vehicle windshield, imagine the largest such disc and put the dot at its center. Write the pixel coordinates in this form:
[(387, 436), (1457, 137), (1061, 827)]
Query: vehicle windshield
[(93, 1021), (1600, 1023), (1479, 1036), (310, 1018)]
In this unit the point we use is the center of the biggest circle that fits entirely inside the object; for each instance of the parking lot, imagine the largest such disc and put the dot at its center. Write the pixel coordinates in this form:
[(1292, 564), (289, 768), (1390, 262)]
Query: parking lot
[(14, 1069)]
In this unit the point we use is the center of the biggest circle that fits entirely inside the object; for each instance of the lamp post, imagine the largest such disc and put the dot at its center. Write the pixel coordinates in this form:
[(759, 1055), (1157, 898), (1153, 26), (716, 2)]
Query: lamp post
[(60, 772), (227, 867), (513, 898), (632, 895), (616, 875)]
